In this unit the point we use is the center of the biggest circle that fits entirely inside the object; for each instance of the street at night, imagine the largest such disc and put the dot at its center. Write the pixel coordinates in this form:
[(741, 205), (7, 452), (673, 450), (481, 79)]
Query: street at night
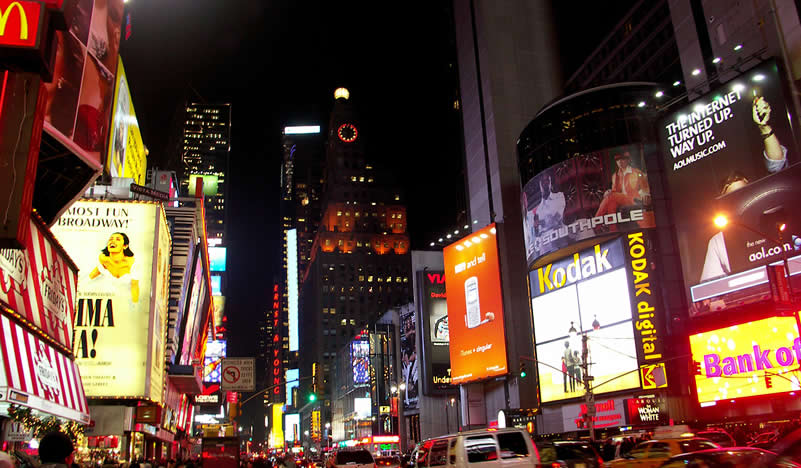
[(304, 234)]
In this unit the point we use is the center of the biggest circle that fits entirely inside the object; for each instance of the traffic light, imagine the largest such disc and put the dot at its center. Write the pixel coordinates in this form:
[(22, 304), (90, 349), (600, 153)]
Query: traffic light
[(233, 410), (523, 372), (312, 397)]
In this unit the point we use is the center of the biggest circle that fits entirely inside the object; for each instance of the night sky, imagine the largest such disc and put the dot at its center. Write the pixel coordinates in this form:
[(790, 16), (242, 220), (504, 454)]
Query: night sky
[(278, 62)]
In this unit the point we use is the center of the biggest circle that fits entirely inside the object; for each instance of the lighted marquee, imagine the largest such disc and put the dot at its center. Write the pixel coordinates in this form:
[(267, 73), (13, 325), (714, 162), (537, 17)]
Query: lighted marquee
[(212, 362), (750, 359)]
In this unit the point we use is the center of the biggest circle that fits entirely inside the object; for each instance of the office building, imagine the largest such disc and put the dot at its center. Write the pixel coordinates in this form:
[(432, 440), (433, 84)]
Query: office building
[(359, 266), (205, 153)]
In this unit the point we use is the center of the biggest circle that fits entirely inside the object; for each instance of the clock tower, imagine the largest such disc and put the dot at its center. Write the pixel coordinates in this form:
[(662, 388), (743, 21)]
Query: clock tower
[(360, 264)]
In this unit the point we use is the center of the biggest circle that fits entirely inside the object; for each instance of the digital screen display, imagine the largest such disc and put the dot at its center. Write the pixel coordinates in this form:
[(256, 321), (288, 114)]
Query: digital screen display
[(590, 289), (585, 196), (360, 360), (210, 184), (436, 333), (292, 286), (216, 285), (216, 350), (292, 427), (475, 307), (217, 258), (291, 376), (732, 154), (750, 359), (362, 407)]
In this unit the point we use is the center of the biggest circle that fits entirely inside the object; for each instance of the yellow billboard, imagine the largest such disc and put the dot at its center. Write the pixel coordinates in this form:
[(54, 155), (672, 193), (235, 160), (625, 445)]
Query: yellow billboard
[(277, 433), (127, 154), (745, 360), (122, 250)]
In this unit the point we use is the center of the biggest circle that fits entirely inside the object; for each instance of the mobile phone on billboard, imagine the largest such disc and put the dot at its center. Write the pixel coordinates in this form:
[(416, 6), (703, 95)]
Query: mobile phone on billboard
[(473, 317)]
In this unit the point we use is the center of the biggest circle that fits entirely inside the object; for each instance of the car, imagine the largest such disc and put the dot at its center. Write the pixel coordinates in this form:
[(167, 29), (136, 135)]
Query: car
[(491, 447), (652, 453), (569, 454), (352, 458), (765, 440), (731, 457), (718, 436), (389, 462)]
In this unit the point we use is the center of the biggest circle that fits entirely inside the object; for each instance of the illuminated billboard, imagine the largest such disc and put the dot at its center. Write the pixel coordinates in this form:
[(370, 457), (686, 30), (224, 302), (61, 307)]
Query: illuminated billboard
[(121, 313), (292, 427), (475, 307), (127, 156), (363, 408), (410, 372), (292, 286), (360, 361), (216, 285), (216, 350), (436, 335), (217, 258), (749, 359), (219, 308), (732, 152), (210, 184), (79, 97), (588, 195), (301, 130), (584, 293), (195, 313), (291, 379), (277, 433)]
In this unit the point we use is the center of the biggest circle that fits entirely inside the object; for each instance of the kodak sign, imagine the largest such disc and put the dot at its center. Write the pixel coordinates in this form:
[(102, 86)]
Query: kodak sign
[(581, 265), (646, 303), (20, 22)]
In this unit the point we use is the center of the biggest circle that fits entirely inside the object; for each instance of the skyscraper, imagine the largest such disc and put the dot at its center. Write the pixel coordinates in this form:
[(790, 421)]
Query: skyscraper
[(205, 152), (359, 264)]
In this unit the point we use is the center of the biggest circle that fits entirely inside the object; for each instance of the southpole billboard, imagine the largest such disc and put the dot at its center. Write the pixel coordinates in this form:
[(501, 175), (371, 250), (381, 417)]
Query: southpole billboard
[(123, 252)]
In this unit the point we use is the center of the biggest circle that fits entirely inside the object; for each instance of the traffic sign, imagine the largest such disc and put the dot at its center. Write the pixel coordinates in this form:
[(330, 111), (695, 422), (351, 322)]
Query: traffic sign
[(238, 374)]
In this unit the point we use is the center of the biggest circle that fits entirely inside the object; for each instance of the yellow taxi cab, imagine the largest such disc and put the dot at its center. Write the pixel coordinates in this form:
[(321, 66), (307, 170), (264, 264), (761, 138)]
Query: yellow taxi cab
[(666, 443)]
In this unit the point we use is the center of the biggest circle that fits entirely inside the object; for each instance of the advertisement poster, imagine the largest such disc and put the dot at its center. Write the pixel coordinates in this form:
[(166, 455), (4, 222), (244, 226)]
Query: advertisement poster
[(586, 293), (195, 310), (475, 307), (436, 336), (216, 350), (360, 362), (750, 359), (733, 153), (608, 413), (127, 154), (408, 348), (586, 196), (78, 109), (113, 245), (46, 300)]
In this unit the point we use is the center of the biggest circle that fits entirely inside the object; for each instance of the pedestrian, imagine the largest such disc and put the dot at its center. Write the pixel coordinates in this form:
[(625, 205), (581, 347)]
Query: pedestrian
[(6, 461), (56, 450)]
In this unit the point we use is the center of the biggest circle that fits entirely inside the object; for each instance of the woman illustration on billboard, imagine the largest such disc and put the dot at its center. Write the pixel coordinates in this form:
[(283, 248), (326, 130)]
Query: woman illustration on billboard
[(116, 264), (774, 157)]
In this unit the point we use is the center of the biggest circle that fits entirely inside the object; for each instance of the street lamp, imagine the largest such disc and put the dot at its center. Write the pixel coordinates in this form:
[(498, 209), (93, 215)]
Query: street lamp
[(721, 221)]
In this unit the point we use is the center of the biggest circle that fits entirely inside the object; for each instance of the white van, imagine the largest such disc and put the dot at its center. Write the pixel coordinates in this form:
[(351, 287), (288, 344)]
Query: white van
[(482, 448)]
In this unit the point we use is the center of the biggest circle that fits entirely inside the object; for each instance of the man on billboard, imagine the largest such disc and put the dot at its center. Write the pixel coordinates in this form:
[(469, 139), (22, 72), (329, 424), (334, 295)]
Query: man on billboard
[(716, 260), (629, 188)]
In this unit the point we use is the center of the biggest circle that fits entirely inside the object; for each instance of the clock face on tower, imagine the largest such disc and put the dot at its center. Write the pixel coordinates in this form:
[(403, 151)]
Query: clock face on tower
[(347, 133)]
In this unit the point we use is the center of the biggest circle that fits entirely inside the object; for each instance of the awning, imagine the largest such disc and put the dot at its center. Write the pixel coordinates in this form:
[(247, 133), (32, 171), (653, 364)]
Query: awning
[(36, 375)]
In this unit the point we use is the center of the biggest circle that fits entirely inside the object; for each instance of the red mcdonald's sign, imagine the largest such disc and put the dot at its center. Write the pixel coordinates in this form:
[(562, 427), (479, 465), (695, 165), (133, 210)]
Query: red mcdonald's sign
[(20, 22)]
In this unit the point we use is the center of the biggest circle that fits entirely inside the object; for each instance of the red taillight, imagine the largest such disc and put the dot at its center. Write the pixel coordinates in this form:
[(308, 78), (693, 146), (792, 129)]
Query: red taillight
[(600, 461), (556, 465)]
